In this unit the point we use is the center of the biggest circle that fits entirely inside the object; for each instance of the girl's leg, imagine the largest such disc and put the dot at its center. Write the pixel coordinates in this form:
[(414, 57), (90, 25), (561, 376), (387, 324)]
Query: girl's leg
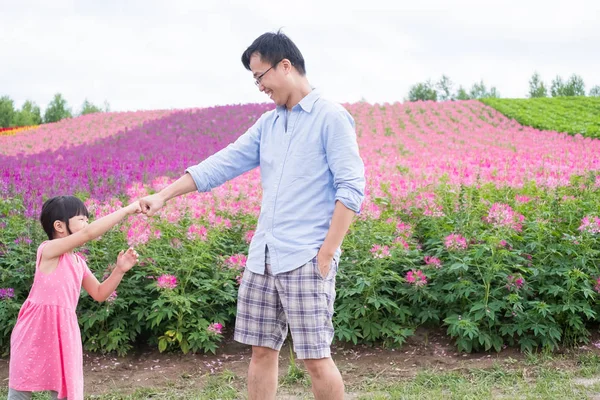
[(53, 395), (18, 395)]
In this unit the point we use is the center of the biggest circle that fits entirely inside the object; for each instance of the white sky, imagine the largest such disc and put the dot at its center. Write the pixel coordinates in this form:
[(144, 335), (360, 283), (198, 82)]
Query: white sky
[(177, 54)]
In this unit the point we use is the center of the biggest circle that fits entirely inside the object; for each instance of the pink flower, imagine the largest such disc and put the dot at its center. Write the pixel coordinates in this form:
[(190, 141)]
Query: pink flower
[(248, 236), (401, 242), (429, 260), (455, 241), (404, 230), (430, 208), (590, 224), (416, 278), (380, 251), (522, 199), (197, 232), (166, 281), (215, 328), (237, 261), (515, 282), (503, 216), (597, 287)]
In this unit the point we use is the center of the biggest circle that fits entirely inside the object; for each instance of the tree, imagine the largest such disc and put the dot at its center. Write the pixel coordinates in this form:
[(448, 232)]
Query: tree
[(479, 91), (7, 112), (537, 87), (28, 115), (595, 91), (57, 109), (422, 91), (444, 87), (573, 87), (89, 108), (558, 87), (461, 94), (576, 86)]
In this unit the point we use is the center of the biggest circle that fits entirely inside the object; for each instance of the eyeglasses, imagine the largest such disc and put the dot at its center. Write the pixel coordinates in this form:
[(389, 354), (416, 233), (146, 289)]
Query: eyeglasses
[(259, 78)]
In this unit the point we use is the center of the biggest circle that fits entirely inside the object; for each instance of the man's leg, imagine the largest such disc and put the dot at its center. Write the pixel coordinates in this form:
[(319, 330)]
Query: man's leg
[(261, 322), (263, 373), (308, 299), (326, 379)]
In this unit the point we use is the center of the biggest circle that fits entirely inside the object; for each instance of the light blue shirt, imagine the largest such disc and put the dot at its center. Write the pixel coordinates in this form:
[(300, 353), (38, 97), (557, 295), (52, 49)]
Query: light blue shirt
[(305, 168)]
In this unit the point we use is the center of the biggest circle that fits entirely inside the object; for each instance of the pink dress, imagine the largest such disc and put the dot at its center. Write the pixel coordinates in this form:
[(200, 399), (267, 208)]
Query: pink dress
[(45, 347)]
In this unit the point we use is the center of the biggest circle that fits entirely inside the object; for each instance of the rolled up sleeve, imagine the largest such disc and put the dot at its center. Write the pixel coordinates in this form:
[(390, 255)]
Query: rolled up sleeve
[(344, 160)]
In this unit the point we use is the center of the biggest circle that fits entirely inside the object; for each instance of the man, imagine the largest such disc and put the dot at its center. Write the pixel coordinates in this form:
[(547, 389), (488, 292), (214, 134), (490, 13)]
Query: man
[(313, 184)]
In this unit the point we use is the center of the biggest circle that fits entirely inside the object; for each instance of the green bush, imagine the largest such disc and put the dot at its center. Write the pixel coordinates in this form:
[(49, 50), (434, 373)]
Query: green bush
[(522, 270)]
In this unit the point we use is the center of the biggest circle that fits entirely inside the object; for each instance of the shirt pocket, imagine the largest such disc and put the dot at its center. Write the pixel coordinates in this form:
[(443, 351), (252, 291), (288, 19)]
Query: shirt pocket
[(307, 164)]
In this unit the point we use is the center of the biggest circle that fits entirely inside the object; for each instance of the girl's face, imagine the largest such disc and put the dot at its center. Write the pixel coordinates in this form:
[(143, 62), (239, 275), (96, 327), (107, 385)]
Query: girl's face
[(77, 223)]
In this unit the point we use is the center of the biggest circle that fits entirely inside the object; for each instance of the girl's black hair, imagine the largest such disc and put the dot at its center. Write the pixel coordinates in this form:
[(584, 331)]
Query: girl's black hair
[(274, 47), (61, 208)]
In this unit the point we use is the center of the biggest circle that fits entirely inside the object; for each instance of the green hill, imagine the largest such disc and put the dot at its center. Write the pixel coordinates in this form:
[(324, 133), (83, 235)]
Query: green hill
[(573, 115)]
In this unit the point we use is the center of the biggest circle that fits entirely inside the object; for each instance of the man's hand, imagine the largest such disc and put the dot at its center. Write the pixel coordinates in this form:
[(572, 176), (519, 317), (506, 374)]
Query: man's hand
[(151, 204), (324, 260)]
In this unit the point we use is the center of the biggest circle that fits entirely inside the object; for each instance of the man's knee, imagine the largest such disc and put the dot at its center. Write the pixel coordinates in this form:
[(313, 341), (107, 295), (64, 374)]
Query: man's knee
[(318, 367), (264, 354)]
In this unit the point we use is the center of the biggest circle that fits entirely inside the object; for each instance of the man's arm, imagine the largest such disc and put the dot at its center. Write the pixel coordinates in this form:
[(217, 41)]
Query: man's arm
[(348, 172), (340, 222), (151, 204), (234, 160)]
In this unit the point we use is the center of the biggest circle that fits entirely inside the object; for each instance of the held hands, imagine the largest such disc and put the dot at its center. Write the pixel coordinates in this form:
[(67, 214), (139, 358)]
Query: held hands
[(126, 260)]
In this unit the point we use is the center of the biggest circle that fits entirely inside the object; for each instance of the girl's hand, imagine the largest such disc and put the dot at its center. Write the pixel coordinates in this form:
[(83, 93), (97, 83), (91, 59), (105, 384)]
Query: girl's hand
[(127, 259), (134, 208)]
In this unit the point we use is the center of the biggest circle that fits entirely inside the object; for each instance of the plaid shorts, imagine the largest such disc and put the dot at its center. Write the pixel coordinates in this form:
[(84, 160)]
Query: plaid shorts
[(301, 298)]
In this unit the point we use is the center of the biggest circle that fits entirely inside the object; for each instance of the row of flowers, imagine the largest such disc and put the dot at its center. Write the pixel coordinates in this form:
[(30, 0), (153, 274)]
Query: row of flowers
[(14, 130)]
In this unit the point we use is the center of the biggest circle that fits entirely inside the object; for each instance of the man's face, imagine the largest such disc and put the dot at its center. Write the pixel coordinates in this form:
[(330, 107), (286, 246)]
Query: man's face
[(271, 79)]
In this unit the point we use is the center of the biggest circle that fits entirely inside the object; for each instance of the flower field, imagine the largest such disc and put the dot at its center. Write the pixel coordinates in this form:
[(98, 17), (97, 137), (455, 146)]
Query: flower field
[(471, 221)]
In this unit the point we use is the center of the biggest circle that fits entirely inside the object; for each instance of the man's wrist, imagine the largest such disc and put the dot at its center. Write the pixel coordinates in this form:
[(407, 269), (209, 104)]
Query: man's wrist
[(327, 251)]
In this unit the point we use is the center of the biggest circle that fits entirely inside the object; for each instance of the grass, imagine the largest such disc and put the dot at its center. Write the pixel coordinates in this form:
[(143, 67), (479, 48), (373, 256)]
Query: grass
[(539, 376)]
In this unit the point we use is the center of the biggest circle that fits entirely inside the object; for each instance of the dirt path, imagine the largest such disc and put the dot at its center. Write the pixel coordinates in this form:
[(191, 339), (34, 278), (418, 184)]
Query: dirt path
[(433, 351)]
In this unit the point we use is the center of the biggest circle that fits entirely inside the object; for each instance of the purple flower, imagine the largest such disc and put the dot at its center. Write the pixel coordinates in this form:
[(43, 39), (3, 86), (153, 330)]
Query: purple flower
[(7, 293), (112, 297), (22, 239)]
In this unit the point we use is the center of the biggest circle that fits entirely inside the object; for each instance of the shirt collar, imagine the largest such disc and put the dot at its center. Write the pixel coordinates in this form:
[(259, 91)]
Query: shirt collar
[(306, 103)]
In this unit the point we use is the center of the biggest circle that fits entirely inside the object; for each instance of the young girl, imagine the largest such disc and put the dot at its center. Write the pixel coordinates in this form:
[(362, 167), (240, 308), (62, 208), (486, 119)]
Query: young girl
[(46, 350)]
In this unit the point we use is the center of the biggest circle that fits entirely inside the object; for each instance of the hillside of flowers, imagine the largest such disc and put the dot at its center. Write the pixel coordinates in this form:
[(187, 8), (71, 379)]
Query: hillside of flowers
[(472, 222)]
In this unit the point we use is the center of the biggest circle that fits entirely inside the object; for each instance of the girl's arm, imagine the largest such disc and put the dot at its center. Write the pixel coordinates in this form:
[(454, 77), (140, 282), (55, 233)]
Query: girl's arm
[(101, 291), (55, 248)]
